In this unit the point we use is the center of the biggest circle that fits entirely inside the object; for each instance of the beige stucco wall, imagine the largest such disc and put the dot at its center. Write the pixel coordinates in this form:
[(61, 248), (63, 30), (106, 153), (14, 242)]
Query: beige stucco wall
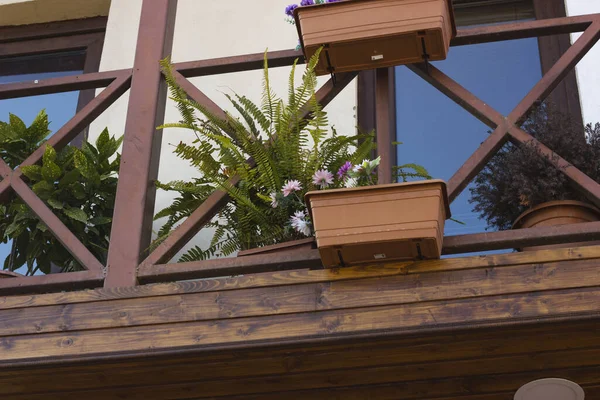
[(21, 12), (208, 29), (588, 75)]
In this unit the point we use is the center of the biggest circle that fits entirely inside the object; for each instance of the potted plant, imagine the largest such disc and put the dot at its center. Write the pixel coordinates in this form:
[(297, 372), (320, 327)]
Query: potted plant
[(292, 156), (368, 34), (520, 188)]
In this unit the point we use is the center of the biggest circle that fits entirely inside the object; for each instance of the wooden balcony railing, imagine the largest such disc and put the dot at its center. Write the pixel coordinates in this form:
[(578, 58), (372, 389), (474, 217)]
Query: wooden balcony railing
[(128, 264)]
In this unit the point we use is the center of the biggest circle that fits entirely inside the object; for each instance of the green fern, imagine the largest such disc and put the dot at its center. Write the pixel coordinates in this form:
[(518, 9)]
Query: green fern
[(268, 145)]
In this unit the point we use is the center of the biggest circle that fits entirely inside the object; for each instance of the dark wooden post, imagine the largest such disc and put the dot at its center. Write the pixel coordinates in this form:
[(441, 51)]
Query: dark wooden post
[(385, 111), (566, 94), (132, 221)]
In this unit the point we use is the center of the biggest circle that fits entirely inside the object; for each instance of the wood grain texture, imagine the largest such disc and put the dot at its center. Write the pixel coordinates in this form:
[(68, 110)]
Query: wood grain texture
[(303, 276), (400, 289), (221, 334)]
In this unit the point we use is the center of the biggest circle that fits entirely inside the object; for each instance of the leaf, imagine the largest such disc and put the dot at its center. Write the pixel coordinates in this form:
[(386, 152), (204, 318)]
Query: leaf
[(100, 221), (84, 166), (103, 143), (42, 227), (49, 155), (17, 125), (50, 171), (43, 188), (70, 177), (77, 214), (56, 204), (33, 172)]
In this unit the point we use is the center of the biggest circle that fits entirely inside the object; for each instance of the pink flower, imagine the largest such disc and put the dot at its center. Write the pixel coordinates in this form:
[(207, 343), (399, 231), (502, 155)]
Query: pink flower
[(323, 178), (274, 202), (291, 186)]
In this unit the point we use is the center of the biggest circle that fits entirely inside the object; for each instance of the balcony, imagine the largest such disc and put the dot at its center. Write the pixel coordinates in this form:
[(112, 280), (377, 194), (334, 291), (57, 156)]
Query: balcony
[(279, 326)]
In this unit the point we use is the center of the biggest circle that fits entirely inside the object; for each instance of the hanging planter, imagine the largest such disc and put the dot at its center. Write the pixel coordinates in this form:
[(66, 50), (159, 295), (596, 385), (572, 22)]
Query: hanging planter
[(403, 221), (556, 213), (367, 34)]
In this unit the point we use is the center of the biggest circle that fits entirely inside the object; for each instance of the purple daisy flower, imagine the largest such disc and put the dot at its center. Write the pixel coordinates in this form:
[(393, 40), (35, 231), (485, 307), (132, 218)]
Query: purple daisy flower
[(343, 171), (307, 3), (289, 10)]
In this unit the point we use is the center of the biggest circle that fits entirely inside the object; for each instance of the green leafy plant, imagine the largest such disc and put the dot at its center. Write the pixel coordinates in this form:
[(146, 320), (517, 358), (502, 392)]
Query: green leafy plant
[(520, 177), (79, 185), (278, 154)]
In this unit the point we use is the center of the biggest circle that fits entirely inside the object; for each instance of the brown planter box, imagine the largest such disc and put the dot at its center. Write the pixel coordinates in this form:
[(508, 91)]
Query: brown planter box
[(401, 221), (368, 34), (556, 213), (285, 247)]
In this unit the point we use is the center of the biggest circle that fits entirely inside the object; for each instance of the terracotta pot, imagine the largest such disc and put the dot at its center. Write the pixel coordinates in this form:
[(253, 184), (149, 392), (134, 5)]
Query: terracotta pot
[(402, 221), (555, 213), (286, 247), (368, 34)]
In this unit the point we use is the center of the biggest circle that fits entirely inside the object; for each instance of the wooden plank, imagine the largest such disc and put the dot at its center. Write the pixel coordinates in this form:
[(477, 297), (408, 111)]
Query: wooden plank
[(131, 230), (417, 381), (246, 62), (540, 341), (52, 29), (418, 391), (391, 290), (62, 84), (432, 360), (566, 305), (230, 266), (521, 30), (44, 283), (48, 45), (304, 276), (547, 235)]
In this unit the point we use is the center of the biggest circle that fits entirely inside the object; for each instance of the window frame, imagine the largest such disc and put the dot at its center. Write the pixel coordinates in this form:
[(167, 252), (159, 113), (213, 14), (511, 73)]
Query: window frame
[(77, 45)]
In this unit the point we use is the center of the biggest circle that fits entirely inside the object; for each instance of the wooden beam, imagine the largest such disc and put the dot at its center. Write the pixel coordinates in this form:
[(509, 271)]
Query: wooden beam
[(385, 107), (134, 205), (522, 30), (62, 84), (246, 62), (539, 236), (49, 283), (303, 276), (566, 95)]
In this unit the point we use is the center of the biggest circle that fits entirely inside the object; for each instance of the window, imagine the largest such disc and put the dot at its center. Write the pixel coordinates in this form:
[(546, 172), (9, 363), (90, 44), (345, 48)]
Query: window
[(441, 135), (44, 51)]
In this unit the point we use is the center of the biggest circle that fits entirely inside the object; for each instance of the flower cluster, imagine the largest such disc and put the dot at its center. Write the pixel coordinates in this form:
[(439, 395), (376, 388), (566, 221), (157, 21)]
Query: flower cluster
[(289, 10), (291, 195)]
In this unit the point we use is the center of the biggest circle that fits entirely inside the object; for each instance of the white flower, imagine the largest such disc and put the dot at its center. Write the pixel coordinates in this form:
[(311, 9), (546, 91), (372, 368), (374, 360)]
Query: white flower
[(274, 202), (351, 183), (300, 224), (322, 178), (291, 186)]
